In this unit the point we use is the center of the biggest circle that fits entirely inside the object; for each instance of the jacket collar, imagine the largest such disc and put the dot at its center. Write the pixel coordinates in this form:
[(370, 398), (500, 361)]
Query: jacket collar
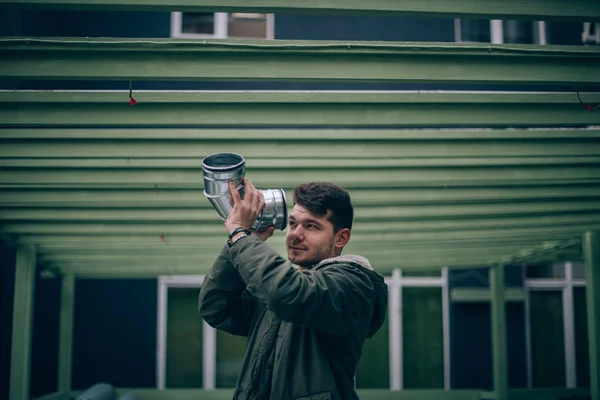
[(348, 258)]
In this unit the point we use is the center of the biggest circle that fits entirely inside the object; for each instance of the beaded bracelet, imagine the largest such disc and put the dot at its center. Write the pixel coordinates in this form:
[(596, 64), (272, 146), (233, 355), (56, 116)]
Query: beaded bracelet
[(230, 242), (238, 230), (235, 232)]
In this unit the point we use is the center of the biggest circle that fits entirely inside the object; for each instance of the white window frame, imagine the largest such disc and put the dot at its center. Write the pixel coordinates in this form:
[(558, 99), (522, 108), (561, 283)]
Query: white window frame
[(566, 286), (209, 334), (395, 284), (586, 34), (497, 32), (221, 27), (395, 314)]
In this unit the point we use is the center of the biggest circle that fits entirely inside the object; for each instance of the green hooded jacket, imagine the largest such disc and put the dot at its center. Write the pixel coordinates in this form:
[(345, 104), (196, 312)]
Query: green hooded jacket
[(305, 328)]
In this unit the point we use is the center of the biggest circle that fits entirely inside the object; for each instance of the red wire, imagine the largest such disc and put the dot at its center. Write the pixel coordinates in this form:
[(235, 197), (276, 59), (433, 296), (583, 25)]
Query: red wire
[(589, 107)]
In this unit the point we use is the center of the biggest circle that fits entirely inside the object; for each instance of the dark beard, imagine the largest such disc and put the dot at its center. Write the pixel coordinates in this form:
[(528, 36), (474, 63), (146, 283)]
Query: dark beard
[(312, 263)]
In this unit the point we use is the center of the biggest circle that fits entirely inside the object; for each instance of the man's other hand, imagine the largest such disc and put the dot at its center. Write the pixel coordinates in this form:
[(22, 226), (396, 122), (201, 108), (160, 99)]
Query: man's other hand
[(264, 235), (246, 210)]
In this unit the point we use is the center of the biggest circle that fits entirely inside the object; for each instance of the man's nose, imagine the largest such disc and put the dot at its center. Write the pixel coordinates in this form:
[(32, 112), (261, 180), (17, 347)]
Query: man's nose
[(298, 233)]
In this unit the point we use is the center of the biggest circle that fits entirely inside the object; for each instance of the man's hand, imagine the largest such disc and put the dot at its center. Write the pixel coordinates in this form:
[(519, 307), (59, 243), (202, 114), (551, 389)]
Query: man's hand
[(245, 211), (264, 235)]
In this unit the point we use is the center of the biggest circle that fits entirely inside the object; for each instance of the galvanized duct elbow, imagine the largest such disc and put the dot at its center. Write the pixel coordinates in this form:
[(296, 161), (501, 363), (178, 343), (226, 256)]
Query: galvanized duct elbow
[(219, 169)]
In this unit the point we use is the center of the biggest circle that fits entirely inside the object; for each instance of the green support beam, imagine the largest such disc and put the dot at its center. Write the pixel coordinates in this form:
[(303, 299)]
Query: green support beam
[(200, 60), (50, 245), (351, 178), (323, 108), (473, 295), (152, 269), (22, 330), (168, 253), (308, 97), (569, 250), (166, 257), (174, 244), (131, 198), (385, 154), (591, 250), (72, 237), (141, 264), (576, 10), (317, 135), (393, 148), (182, 163), (288, 115), (392, 212), (65, 345), (527, 223), (498, 317)]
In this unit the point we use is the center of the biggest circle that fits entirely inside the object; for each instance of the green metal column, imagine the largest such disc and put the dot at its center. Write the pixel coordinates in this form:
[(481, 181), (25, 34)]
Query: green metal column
[(591, 254), (498, 313), (22, 323), (65, 350)]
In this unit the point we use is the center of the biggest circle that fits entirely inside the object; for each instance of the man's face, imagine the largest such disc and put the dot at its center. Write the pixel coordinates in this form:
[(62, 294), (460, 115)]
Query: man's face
[(309, 238)]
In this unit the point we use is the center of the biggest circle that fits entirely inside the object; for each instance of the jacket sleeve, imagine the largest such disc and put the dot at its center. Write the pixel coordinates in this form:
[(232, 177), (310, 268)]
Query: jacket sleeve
[(337, 299), (223, 301)]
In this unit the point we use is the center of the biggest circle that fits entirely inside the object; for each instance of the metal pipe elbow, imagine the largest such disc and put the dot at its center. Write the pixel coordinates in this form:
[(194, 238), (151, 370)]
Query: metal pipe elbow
[(221, 168)]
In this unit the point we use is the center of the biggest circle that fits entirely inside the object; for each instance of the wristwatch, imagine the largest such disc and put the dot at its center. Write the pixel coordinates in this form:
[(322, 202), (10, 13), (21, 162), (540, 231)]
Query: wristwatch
[(240, 232)]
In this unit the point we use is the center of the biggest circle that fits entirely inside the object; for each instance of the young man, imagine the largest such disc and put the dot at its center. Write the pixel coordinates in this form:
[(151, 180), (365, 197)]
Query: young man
[(305, 325)]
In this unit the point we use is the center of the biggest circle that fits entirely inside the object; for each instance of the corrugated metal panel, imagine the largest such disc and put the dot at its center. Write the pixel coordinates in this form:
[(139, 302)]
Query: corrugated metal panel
[(129, 201), (280, 60), (462, 179)]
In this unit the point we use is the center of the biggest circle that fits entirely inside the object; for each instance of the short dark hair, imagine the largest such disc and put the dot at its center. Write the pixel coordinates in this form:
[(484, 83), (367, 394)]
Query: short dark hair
[(324, 198)]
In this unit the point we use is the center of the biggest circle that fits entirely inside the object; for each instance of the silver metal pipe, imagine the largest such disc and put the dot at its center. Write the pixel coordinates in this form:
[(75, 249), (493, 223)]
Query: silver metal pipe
[(221, 168)]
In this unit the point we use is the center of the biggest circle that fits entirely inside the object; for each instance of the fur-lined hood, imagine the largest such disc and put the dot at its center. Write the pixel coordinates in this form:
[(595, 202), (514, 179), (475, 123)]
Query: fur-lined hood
[(350, 258), (379, 286)]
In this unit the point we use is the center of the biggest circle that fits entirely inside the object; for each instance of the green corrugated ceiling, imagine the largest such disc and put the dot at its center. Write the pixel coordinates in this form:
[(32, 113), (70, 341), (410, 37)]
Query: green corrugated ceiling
[(458, 179)]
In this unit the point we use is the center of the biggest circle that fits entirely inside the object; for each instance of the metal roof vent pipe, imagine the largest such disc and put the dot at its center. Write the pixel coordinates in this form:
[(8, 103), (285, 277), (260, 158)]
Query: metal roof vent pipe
[(219, 169)]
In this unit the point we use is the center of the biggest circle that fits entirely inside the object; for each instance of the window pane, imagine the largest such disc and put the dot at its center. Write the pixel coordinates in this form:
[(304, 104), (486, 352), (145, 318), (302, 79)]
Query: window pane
[(416, 272), (518, 31), (516, 345), (184, 339), (472, 346), (230, 357), (581, 337), (470, 277), (471, 359), (475, 30), (198, 22), (373, 370), (578, 270), (548, 271), (246, 25), (423, 345), (547, 339)]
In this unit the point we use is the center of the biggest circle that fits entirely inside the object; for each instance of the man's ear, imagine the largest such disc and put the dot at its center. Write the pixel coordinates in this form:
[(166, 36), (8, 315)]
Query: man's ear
[(342, 237)]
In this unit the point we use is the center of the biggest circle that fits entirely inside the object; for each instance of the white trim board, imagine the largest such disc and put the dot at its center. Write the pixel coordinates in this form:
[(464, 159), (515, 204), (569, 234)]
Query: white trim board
[(209, 333)]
